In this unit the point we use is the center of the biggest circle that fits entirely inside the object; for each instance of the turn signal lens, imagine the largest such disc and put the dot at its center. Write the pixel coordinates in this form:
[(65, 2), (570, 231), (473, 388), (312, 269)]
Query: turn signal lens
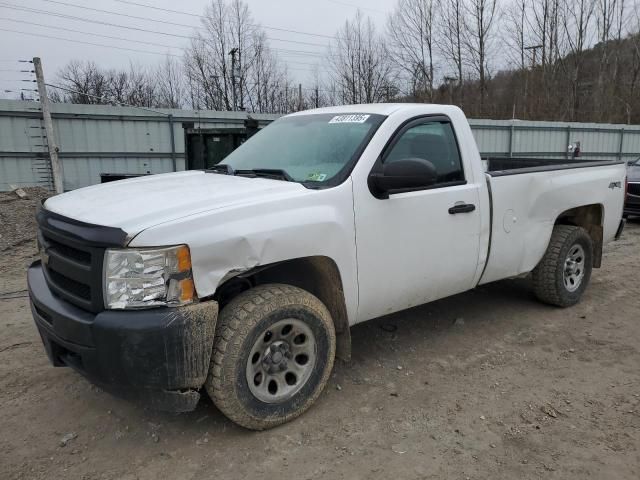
[(184, 258), (187, 290)]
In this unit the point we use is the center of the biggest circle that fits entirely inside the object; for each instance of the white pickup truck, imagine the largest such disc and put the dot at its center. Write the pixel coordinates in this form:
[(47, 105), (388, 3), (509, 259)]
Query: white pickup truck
[(244, 280)]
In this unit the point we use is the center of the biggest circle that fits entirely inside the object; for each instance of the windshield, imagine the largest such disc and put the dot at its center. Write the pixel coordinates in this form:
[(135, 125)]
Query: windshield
[(311, 149)]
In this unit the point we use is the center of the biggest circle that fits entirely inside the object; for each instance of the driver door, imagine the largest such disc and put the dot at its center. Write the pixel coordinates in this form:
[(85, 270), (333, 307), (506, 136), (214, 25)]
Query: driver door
[(417, 246)]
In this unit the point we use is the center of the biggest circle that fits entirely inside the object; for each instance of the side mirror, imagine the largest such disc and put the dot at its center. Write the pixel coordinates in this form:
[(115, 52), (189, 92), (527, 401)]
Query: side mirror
[(402, 175)]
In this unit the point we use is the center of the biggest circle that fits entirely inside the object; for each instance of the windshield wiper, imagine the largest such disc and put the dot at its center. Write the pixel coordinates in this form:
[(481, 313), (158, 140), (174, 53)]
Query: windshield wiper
[(222, 168), (274, 173)]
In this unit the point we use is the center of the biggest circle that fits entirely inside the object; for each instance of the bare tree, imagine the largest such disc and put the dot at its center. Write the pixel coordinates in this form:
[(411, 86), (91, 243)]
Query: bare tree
[(410, 30), (265, 77), (229, 65), (451, 33), (207, 61), (85, 82), (170, 81), (141, 89), (359, 63), (578, 32), (516, 33), (564, 60), (480, 24), (316, 95)]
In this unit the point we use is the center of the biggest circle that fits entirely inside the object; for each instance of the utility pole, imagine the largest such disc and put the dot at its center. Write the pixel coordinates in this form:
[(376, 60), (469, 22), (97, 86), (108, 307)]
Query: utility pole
[(449, 80), (238, 75), (535, 51), (317, 97), (56, 170), (233, 54), (299, 96)]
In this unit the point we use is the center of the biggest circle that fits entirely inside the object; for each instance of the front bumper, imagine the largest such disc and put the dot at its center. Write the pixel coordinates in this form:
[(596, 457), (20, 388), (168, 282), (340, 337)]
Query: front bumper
[(632, 201), (632, 206), (159, 356)]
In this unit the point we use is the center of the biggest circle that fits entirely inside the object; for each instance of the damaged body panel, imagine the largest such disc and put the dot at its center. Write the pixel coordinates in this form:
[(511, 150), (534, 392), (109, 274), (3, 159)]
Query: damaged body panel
[(243, 236)]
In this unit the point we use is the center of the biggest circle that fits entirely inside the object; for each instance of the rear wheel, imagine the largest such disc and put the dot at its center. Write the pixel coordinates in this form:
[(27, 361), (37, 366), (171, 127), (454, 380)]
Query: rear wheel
[(563, 274), (273, 353)]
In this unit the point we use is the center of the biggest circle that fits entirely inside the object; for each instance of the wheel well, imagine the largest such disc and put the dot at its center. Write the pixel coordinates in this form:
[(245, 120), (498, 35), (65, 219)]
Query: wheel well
[(318, 275), (590, 218)]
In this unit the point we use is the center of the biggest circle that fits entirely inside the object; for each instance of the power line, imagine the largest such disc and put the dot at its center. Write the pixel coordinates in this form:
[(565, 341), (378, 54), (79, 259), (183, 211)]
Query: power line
[(87, 43), (111, 46), (345, 4), (89, 33), (163, 45), (127, 27), (105, 99), (181, 12), (296, 52), (117, 38), (113, 102), (87, 20), (119, 14)]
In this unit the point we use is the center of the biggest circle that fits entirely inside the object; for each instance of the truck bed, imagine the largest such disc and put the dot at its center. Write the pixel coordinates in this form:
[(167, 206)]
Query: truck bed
[(500, 166), (527, 195)]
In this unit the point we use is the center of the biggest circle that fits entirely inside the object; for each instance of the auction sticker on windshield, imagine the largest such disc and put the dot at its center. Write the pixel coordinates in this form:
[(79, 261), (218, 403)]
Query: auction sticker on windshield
[(317, 177), (349, 119)]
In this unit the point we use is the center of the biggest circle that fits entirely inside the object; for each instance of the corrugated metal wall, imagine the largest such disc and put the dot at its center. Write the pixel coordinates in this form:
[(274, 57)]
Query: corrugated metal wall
[(550, 139), (96, 139), (101, 139)]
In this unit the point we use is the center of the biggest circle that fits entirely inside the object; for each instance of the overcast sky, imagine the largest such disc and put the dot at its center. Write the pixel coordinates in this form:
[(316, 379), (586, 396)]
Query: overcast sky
[(322, 17)]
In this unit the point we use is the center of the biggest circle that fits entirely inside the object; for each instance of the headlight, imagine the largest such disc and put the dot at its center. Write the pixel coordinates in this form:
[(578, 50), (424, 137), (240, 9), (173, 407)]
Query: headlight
[(147, 277)]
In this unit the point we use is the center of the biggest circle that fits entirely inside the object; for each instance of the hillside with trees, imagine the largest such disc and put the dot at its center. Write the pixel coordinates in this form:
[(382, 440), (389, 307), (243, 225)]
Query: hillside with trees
[(572, 60)]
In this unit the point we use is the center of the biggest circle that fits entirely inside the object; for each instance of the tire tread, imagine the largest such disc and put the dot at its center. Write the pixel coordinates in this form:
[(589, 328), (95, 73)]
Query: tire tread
[(234, 325), (545, 275)]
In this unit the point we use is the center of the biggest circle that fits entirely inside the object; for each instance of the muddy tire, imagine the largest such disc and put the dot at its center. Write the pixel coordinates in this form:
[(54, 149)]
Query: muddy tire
[(273, 353), (563, 274)]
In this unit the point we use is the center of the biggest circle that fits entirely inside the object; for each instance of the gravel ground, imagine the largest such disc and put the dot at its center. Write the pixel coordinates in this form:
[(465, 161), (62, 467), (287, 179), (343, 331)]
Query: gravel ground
[(487, 384), (17, 225)]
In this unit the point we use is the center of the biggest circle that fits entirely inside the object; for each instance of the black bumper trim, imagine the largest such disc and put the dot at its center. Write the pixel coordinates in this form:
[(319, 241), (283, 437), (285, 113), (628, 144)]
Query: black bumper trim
[(159, 356), (631, 210)]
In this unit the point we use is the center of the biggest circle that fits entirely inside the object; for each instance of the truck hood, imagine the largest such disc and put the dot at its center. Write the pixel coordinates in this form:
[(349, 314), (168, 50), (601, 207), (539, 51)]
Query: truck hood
[(137, 204)]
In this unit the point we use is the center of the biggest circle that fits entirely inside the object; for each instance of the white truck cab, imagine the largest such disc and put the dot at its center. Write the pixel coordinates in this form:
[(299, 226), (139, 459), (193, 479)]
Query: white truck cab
[(245, 279)]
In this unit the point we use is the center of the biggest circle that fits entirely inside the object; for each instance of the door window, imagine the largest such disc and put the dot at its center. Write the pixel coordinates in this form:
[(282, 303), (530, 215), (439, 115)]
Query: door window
[(432, 141)]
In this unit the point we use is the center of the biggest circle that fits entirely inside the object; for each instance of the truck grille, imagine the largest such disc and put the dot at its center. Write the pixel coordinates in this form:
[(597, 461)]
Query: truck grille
[(634, 189), (69, 285), (72, 266)]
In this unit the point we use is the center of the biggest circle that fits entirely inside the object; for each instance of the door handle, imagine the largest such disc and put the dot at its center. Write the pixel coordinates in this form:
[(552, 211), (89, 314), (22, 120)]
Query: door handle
[(462, 208)]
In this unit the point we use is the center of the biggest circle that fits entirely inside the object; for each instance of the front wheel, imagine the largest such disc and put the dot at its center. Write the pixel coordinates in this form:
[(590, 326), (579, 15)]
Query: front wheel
[(563, 274), (273, 354)]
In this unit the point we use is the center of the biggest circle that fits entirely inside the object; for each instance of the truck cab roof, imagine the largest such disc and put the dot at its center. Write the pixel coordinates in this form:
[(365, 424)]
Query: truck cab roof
[(381, 109)]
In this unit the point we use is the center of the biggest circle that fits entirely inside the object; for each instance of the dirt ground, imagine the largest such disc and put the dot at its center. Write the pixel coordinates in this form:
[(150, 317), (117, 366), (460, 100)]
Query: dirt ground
[(487, 384)]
